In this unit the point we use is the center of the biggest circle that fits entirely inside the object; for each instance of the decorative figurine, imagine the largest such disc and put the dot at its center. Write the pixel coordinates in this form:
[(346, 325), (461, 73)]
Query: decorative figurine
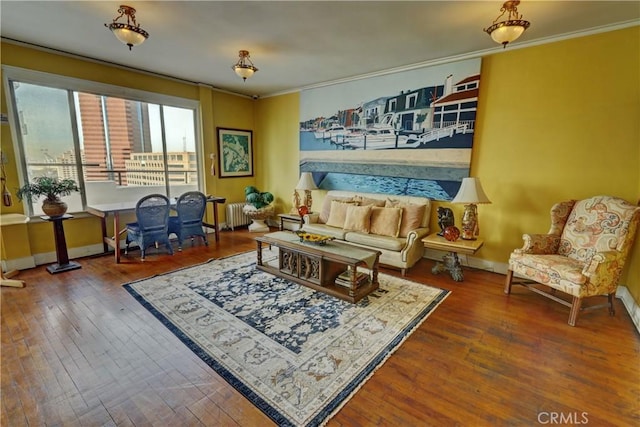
[(451, 233), (445, 219)]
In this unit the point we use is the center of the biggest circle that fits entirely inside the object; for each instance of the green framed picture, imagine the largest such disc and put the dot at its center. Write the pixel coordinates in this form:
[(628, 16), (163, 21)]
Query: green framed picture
[(235, 148)]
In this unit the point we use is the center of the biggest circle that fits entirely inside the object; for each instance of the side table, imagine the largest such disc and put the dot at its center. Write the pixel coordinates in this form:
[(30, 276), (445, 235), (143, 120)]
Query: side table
[(451, 263), (63, 263), (290, 218)]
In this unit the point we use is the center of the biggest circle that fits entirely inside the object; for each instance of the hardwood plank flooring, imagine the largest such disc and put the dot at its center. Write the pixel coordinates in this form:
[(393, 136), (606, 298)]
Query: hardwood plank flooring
[(78, 350)]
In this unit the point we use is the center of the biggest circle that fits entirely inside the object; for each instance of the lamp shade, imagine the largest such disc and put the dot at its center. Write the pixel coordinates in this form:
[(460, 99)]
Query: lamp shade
[(471, 192), (244, 71), (129, 35), (507, 32), (306, 182)]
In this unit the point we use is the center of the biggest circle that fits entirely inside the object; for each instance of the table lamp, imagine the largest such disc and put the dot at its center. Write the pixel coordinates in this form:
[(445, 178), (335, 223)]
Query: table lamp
[(470, 193), (307, 184)]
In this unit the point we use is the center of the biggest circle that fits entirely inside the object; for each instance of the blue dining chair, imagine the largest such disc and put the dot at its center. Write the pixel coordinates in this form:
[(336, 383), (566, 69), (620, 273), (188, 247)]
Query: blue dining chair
[(188, 223), (152, 224)]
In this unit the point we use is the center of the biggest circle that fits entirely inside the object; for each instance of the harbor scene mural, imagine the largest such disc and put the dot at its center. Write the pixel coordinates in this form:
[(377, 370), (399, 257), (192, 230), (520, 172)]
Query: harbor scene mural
[(408, 132)]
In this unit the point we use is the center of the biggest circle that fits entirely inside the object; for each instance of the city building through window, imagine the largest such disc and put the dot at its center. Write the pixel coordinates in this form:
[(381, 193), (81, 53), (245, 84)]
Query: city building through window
[(116, 149)]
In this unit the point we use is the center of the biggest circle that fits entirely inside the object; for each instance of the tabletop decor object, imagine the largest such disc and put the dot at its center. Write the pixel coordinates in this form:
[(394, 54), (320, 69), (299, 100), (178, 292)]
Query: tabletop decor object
[(258, 208), (52, 189), (445, 219), (470, 193), (307, 184), (317, 239), (451, 233)]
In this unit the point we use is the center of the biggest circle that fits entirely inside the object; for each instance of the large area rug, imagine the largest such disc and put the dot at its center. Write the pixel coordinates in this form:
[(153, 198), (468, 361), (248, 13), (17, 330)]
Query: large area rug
[(295, 353)]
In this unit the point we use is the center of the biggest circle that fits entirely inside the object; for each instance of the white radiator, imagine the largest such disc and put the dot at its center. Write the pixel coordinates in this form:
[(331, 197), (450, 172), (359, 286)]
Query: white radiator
[(235, 216)]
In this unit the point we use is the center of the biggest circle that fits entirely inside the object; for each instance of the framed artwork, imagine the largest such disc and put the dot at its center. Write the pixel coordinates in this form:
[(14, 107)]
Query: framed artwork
[(235, 148)]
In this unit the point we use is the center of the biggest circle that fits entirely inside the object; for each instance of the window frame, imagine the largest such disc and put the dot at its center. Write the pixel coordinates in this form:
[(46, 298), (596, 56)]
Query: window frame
[(73, 84)]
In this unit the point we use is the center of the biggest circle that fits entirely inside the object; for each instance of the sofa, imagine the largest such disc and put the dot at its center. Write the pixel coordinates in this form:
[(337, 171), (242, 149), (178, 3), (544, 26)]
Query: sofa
[(391, 224)]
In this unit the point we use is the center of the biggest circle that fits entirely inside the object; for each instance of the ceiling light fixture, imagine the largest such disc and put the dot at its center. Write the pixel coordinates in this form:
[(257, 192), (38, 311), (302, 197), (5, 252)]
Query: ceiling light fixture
[(244, 67), (130, 33), (505, 32)]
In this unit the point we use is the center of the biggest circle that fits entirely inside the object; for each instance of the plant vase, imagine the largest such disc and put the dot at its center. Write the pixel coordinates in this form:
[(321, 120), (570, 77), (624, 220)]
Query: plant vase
[(54, 208), (258, 217)]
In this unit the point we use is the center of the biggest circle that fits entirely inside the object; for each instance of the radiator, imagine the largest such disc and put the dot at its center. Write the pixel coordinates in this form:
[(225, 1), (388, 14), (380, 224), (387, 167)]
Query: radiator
[(235, 216)]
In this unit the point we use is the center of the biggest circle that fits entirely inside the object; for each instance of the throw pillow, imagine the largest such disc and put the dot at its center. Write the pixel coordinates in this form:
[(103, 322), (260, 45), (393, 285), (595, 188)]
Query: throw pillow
[(326, 207), (411, 215), (385, 221), (358, 218), (364, 201), (338, 213)]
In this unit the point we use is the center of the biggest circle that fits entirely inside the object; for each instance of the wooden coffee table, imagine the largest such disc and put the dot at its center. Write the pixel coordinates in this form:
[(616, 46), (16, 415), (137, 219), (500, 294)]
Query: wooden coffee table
[(318, 267)]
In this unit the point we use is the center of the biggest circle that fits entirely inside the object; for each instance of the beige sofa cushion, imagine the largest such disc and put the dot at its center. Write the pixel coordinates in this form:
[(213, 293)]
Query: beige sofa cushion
[(411, 215), (364, 201), (326, 206), (338, 214), (376, 241), (385, 221), (358, 218)]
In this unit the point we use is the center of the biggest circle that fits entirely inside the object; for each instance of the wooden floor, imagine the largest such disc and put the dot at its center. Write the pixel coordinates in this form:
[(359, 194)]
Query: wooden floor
[(78, 350)]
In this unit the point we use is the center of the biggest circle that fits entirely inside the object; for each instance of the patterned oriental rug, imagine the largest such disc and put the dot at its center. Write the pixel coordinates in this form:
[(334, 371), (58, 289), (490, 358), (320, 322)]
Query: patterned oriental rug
[(295, 353)]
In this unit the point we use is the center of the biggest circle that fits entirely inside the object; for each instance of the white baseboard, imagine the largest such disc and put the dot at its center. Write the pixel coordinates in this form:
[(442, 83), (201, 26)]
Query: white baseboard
[(497, 267), (18, 264), (629, 303)]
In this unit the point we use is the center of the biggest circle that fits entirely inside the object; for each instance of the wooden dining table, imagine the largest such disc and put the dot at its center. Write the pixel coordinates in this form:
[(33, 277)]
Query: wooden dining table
[(115, 209)]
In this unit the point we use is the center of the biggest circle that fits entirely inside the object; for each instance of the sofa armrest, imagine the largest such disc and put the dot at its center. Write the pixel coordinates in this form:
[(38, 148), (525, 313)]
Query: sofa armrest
[(413, 247), (417, 234), (540, 244), (311, 218)]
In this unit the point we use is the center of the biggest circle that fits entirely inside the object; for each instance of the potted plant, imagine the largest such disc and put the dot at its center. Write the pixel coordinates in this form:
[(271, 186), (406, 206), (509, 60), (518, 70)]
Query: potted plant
[(258, 208), (52, 189)]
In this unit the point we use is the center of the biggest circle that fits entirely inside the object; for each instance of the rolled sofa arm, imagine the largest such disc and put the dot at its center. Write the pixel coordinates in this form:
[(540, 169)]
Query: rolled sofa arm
[(540, 244), (413, 247), (311, 218)]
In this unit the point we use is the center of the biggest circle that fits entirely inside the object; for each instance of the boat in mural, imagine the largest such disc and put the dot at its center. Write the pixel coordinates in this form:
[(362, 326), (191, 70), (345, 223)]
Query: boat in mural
[(377, 139), (330, 132)]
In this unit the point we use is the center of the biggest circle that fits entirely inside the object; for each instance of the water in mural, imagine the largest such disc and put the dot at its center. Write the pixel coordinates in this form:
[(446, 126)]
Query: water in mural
[(385, 185)]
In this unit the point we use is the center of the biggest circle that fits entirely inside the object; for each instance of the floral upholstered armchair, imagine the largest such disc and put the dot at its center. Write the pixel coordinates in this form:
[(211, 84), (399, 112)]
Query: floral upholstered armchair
[(582, 255)]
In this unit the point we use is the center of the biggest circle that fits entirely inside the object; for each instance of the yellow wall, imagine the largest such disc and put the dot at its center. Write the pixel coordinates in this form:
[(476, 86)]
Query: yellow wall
[(555, 122), (278, 126)]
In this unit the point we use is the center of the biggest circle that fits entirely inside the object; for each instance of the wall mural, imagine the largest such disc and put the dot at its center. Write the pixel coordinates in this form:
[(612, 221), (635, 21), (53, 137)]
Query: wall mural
[(408, 132)]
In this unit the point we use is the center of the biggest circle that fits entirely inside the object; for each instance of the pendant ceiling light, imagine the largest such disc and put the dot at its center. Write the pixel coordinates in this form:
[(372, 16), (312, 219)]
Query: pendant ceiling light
[(244, 67), (505, 32), (130, 33)]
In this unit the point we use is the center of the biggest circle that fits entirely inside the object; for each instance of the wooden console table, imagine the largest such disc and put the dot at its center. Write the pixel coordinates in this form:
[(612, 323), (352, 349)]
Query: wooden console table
[(318, 267), (63, 263), (451, 263), (297, 219)]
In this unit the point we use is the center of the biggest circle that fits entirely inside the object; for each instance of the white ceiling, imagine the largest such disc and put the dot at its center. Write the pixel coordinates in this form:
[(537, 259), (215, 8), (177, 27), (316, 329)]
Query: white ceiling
[(296, 44)]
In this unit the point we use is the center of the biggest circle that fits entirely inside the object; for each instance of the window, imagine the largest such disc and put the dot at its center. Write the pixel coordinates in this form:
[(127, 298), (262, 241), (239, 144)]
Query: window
[(117, 148)]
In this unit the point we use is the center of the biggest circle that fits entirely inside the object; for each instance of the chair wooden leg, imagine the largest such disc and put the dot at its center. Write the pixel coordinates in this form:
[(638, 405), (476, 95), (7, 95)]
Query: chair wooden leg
[(612, 309), (507, 283), (575, 309)]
